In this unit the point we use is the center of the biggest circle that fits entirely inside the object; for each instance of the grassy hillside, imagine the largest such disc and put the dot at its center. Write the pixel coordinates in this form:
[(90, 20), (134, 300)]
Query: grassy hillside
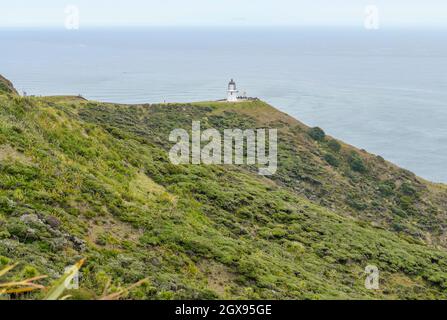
[(87, 179), (6, 86)]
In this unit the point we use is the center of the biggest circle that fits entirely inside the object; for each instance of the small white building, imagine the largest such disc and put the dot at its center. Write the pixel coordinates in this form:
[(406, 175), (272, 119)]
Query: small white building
[(232, 92)]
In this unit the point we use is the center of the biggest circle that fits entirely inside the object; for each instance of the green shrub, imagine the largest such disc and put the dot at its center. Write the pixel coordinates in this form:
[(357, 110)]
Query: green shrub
[(29, 272), (6, 205), (357, 204), (356, 163), (398, 227), (406, 202), (18, 230), (331, 159), (317, 134), (407, 189), (334, 145), (386, 190), (4, 234)]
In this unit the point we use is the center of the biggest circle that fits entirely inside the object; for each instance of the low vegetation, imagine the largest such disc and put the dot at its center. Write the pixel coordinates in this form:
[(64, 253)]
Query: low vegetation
[(83, 179)]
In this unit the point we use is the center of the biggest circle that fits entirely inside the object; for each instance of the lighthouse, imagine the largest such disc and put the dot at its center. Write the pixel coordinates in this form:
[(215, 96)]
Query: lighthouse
[(232, 91)]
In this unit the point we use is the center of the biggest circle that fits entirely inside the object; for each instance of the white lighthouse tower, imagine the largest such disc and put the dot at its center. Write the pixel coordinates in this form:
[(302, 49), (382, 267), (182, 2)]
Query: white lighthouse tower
[(232, 91)]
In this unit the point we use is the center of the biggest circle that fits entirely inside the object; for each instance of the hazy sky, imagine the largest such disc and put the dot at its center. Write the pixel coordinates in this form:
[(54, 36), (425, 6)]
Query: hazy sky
[(405, 13)]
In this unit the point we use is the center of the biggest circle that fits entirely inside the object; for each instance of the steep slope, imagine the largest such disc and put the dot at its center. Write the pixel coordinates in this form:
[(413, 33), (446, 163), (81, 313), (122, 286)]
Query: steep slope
[(88, 179), (6, 86), (324, 170)]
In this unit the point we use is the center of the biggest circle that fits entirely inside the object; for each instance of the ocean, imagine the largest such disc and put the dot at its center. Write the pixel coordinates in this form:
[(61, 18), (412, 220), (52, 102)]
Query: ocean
[(384, 90)]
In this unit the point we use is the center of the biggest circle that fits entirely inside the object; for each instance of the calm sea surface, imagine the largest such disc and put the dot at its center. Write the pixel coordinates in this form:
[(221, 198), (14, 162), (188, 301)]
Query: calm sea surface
[(384, 91)]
